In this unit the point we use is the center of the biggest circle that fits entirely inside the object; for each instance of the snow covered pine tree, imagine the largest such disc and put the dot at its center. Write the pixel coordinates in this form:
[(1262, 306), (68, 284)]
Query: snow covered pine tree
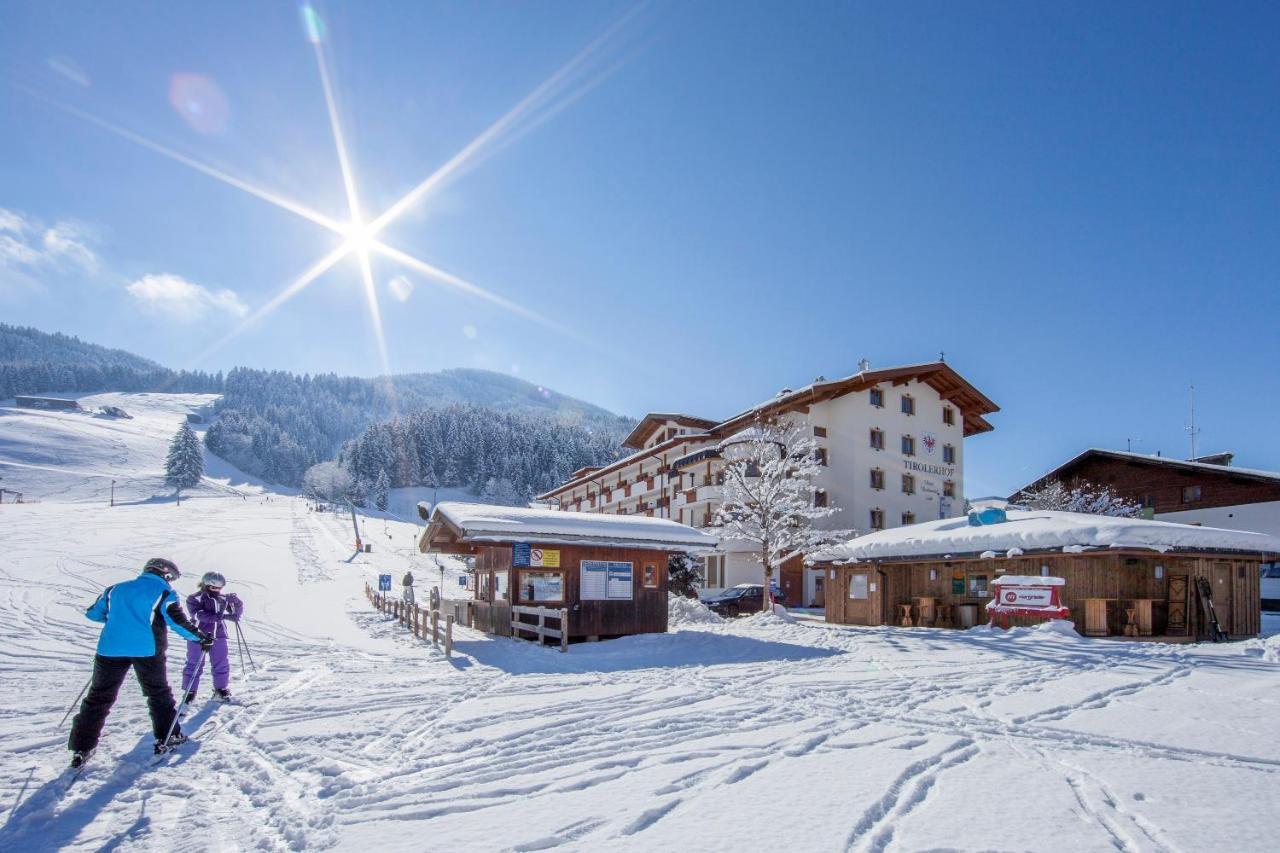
[(381, 487), (682, 576), (184, 466), (768, 496)]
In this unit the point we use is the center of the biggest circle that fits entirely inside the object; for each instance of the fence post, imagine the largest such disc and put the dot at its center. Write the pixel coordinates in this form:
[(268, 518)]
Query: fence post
[(564, 629), (435, 627), (448, 636), (542, 624)]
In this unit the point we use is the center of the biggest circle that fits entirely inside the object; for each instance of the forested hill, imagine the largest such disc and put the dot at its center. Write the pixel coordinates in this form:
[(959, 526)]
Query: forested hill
[(32, 361), (276, 424)]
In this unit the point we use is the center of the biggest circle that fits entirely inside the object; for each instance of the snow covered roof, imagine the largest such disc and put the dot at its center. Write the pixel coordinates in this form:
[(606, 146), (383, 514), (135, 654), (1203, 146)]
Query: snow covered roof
[(486, 523), (1149, 459), (1044, 530)]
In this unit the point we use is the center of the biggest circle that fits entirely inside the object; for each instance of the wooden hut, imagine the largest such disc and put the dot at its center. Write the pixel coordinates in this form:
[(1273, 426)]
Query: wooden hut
[(606, 573), (1123, 576)]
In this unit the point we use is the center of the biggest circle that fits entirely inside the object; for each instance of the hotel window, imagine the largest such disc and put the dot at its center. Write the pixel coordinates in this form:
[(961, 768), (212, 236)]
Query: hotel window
[(713, 571), (877, 478), (877, 439), (948, 415), (858, 587), (820, 456), (908, 446), (877, 519), (820, 498), (1190, 494), (820, 432), (908, 484), (908, 518), (948, 454), (877, 398), (908, 404), (948, 489)]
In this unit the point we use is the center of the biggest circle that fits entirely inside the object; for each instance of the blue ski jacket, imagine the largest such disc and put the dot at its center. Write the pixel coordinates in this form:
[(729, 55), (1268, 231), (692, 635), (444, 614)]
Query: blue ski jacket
[(136, 614)]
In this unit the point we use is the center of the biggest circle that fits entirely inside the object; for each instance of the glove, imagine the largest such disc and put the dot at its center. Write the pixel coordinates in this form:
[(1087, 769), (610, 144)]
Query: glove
[(206, 641)]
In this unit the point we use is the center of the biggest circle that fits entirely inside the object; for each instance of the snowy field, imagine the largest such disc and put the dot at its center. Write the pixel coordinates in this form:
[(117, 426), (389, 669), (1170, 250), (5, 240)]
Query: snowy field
[(753, 735)]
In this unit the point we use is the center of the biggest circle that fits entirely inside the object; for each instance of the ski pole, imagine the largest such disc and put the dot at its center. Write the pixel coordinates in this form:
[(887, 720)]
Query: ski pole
[(75, 703), (240, 649), (186, 692), (240, 635)]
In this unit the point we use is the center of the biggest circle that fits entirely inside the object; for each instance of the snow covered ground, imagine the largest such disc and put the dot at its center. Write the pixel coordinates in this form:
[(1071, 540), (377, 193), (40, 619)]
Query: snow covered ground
[(754, 734)]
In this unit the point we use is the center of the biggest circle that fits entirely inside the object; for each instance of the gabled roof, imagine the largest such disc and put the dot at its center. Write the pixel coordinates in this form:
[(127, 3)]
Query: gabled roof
[(1028, 531), (654, 421), (455, 524), (1251, 474), (939, 375)]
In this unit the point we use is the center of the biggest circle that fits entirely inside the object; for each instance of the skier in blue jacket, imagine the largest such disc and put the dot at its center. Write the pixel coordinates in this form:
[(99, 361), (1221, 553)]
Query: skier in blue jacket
[(136, 615)]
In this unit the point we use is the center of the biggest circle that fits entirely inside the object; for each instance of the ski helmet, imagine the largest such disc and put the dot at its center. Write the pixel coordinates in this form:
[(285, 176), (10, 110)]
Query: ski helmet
[(213, 579), (166, 569)]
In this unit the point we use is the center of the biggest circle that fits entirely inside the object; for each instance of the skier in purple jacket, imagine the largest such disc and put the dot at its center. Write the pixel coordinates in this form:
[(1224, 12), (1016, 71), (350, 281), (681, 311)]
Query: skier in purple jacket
[(210, 608)]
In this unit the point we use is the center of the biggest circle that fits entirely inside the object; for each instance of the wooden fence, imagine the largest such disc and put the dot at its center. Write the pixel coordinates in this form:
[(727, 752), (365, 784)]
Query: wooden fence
[(540, 628), (424, 622)]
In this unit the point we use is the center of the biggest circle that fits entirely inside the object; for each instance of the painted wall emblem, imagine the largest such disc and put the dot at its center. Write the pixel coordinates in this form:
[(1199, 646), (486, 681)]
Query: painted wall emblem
[(930, 442)]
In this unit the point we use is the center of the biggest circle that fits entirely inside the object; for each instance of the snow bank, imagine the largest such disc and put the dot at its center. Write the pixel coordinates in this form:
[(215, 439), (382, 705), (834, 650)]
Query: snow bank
[(683, 611), (765, 619), (1043, 530)]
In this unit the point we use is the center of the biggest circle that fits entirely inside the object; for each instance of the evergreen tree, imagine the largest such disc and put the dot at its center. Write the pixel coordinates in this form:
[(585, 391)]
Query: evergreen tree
[(381, 487), (682, 576), (184, 466)]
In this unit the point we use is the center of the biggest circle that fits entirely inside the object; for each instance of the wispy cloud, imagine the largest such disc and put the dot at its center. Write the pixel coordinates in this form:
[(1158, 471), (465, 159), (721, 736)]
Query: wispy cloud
[(27, 242), (184, 301)]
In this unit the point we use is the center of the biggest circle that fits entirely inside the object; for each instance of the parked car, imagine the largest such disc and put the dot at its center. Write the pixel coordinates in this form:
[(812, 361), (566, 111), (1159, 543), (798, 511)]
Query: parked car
[(736, 600)]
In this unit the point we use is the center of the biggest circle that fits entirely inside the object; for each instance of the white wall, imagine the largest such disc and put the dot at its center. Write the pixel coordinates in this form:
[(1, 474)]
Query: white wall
[(1259, 517), (850, 457)]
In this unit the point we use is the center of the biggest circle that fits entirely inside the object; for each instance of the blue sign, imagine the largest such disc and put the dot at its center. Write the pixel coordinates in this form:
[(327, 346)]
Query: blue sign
[(521, 553), (384, 583), (462, 580)]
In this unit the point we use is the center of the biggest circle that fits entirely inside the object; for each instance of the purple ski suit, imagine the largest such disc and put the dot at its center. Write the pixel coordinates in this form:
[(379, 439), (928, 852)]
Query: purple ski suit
[(209, 609)]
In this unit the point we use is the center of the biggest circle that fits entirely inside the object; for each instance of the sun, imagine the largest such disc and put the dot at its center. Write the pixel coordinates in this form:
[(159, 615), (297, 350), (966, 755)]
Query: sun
[(360, 238)]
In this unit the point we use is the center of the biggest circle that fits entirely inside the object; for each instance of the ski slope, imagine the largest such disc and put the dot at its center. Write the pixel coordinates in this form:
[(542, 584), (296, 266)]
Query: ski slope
[(754, 734)]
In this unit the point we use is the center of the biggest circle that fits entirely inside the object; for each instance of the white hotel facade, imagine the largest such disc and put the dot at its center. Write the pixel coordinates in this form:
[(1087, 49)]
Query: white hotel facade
[(891, 443)]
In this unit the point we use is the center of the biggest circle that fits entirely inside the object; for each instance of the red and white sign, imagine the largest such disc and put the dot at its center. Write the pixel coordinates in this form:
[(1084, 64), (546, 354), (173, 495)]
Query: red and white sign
[(1026, 596)]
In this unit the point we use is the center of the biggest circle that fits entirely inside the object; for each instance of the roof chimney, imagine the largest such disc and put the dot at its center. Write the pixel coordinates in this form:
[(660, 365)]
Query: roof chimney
[(864, 365)]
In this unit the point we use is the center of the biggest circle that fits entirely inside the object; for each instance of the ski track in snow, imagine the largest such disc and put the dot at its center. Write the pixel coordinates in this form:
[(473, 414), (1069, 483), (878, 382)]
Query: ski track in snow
[(718, 737)]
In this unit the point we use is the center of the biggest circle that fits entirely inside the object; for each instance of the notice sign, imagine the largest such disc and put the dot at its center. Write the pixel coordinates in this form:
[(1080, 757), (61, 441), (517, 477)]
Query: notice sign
[(1026, 596), (602, 580), (384, 583), (524, 555), (545, 557)]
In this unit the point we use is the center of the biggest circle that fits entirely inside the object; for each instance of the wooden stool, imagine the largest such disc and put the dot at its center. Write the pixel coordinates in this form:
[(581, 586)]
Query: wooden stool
[(944, 616), (1130, 622), (906, 615)]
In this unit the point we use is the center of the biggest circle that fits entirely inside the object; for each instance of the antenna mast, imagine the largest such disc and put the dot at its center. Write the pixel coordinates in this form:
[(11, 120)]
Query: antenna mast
[(1191, 429)]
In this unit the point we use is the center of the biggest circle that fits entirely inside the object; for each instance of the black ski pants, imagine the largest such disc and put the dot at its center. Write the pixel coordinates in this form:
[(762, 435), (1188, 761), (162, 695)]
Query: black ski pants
[(108, 675)]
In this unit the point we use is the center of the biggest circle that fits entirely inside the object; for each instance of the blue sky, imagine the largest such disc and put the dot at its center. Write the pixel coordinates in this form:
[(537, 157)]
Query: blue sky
[(1079, 203)]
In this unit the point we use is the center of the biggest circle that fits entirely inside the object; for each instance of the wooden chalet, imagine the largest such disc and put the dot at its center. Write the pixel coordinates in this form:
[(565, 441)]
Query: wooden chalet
[(607, 574), (1124, 577)]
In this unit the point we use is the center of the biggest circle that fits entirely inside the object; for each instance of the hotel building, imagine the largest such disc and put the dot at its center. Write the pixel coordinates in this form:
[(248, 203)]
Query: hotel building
[(890, 442)]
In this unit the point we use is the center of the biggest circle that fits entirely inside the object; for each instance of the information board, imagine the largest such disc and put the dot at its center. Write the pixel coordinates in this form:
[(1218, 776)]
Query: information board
[(526, 556), (521, 553), (602, 580), (384, 583)]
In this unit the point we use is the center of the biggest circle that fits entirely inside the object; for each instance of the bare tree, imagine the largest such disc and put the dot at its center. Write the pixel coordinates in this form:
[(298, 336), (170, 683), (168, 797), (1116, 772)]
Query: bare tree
[(769, 498)]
